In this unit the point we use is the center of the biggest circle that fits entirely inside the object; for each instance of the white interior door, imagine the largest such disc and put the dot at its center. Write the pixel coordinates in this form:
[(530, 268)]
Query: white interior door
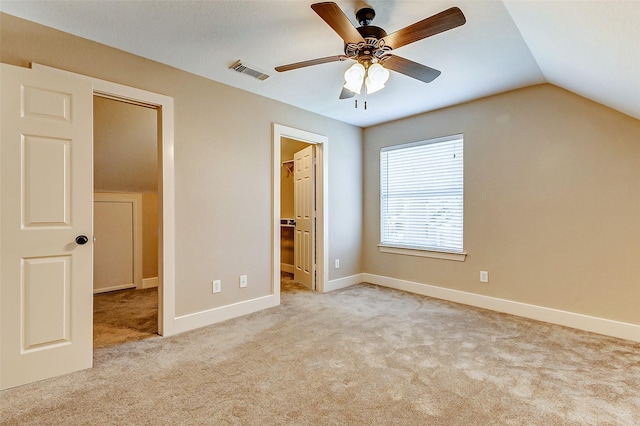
[(304, 244), (46, 183)]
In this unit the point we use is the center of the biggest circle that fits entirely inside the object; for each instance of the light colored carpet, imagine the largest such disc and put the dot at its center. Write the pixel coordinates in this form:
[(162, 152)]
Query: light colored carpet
[(363, 355), (124, 316)]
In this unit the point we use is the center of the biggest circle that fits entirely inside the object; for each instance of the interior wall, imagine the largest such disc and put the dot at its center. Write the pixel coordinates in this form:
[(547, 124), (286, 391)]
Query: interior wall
[(223, 165), (149, 235), (125, 141), (552, 202), (113, 250)]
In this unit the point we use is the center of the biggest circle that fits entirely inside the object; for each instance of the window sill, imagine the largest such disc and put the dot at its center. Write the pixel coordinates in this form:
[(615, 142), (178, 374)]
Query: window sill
[(458, 257)]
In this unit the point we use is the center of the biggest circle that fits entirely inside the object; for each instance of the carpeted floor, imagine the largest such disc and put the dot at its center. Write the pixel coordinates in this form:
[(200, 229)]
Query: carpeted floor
[(363, 355), (124, 316)]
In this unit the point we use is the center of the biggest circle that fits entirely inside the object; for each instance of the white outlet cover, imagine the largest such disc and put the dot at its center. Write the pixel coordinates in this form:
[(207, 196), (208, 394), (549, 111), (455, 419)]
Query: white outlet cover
[(217, 286), (484, 276), (243, 281)]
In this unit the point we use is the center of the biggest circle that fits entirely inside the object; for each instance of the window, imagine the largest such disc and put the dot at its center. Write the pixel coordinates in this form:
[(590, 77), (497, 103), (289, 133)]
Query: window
[(421, 195)]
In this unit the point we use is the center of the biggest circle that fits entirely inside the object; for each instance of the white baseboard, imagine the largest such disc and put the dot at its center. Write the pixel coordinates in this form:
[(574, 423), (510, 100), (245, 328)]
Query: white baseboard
[(285, 267), (114, 288), (149, 282), (223, 313), (604, 326), (343, 282)]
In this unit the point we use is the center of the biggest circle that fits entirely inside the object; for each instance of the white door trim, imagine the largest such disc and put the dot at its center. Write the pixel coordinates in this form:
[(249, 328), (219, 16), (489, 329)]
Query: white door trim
[(136, 202), (166, 219), (322, 217)]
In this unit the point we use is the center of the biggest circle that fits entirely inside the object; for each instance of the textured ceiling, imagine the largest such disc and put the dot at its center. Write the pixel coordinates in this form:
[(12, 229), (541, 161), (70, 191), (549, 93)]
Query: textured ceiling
[(589, 47)]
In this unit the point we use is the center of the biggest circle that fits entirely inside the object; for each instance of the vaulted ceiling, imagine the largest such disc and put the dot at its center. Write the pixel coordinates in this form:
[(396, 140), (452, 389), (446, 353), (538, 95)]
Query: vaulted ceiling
[(591, 48)]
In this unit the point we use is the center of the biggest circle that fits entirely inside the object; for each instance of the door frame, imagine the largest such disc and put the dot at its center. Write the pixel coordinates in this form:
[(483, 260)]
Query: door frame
[(166, 216), (321, 143)]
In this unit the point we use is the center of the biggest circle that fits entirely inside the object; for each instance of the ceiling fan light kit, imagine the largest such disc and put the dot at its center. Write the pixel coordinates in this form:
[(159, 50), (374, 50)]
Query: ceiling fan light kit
[(371, 47), (353, 77), (374, 76)]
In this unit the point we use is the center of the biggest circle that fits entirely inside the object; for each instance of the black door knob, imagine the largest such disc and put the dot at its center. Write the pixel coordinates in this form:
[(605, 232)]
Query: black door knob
[(82, 239)]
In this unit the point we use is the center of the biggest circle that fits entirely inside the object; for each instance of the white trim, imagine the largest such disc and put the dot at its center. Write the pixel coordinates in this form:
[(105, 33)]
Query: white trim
[(115, 288), (150, 282), (322, 218), (344, 282), (166, 235), (458, 257), (285, 267), (136, 202), (603, 326), (223, 313)]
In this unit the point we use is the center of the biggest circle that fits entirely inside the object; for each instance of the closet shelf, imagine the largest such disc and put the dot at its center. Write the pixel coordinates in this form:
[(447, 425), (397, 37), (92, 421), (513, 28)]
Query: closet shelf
[(288, 165), (287, 223)]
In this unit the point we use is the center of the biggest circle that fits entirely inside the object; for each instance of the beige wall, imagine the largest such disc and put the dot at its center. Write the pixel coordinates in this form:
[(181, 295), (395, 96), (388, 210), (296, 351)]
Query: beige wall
[(149, 235), (552, 202), (125, 142), (223, 139)]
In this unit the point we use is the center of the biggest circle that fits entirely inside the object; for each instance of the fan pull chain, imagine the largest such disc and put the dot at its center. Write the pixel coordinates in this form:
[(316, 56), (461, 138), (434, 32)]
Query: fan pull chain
[(365, 103)]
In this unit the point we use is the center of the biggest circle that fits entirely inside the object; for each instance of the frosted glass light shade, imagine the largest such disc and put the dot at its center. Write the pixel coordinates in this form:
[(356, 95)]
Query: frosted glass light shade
[(377, 76), (353, 78)]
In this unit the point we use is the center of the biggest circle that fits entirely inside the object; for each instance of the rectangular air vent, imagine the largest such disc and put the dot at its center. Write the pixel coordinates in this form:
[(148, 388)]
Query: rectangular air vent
[(243, 68)]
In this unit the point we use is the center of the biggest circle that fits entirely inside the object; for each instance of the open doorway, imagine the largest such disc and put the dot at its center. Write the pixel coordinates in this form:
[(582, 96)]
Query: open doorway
[(63, 191), (166, 201), (287, 231), (125, 222)]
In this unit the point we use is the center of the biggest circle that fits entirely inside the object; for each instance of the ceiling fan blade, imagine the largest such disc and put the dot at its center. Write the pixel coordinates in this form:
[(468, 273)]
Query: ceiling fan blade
[(346, 93), (411, 69), (335, 17), (443, 21), (311, 62)]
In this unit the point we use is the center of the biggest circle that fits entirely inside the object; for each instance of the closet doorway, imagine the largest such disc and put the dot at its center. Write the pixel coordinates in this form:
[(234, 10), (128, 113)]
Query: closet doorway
[(300, 237), (125, 221)]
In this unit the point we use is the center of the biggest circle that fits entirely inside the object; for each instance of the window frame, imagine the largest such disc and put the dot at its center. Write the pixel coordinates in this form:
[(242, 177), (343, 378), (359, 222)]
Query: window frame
[(430, 252)]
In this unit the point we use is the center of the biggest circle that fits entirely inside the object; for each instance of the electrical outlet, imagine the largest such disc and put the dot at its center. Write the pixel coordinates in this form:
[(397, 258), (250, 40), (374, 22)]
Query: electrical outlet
[(484, 276), (243, 281), (337, 263), (216, 286)]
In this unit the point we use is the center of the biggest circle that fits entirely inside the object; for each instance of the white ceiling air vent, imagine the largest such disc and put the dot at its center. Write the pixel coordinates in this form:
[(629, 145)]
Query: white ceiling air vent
[(238, 66)]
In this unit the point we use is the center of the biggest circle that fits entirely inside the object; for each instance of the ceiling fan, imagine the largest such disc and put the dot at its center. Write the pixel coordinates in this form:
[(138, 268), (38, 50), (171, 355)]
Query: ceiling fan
[(371, 47)]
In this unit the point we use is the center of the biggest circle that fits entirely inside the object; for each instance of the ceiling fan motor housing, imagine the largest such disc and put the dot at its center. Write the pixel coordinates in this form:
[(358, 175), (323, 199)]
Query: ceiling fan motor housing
[(365, 15), (373, 46), (370, 31)]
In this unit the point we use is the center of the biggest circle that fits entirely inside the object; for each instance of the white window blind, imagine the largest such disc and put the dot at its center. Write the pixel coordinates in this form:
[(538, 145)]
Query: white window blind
[(421, 195)]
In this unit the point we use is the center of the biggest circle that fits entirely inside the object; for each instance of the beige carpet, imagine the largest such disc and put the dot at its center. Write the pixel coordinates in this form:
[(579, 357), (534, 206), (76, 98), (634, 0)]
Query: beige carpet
[(124, 316), (358, 356)]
